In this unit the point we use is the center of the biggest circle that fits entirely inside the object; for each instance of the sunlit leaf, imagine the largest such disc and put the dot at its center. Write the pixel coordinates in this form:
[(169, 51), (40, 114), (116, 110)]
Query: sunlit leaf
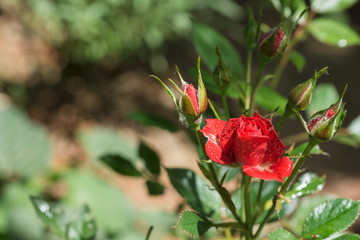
[(304, 208), (24, 145), (51, 214), (348, 237), (330, 217), (327, 6), (81, 225), (307, 184), (282, 234), (333, 32)]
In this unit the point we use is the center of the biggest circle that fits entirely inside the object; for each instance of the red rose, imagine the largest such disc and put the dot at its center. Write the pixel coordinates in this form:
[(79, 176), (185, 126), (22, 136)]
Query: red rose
[(249, 141)]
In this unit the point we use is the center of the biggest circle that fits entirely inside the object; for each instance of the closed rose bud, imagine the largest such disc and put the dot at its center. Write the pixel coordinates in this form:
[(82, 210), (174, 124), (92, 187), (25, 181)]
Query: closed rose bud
[(324, 124), (300, 96), (193, 103), (272, 44), (222, 74)]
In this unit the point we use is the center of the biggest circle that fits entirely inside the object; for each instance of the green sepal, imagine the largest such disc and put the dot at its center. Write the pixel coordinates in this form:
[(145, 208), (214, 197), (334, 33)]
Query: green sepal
[(303, 122), (202, 96), (173, 98)]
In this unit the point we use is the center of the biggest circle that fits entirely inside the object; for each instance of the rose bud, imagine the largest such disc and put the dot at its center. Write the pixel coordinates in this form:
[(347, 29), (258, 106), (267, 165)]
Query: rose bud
[(300, 96), (250, 142), (192, 102), (272, 44), (324, 124), (222, 74)]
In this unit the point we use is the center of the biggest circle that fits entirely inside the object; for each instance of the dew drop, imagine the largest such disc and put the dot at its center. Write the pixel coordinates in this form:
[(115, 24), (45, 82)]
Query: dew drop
[(342, 43)]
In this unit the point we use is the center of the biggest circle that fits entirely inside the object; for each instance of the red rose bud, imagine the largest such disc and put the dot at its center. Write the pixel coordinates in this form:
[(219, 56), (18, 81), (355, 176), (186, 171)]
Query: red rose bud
[(324, 124), (192, 102), (272, 44), (248, 141), (222, 74), (300, 96)]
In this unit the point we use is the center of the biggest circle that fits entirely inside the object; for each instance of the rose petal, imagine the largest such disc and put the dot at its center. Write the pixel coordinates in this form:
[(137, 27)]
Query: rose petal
[(213, 128), (250, 150), (191, 92), (276, 170), (212, 131), (275, 146), (227, 137)]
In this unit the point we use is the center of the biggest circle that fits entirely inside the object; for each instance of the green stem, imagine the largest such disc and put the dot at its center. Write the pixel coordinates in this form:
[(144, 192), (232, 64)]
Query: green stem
[(225, 106), (247, 203), (256, 86), (248, 80), (288, 112), (312, 143), (225, 195), (149, 232)]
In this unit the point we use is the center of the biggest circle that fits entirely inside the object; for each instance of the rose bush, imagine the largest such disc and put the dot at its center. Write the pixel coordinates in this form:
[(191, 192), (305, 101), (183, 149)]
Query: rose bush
[(249, 141)]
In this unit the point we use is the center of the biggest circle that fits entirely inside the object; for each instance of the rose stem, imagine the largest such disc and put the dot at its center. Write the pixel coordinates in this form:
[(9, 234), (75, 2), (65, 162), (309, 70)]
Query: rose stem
[(298, 35), (255, 86), (248, 79), (312, 143), (247, 204), (288, 112), (225, 105), (220, 189)]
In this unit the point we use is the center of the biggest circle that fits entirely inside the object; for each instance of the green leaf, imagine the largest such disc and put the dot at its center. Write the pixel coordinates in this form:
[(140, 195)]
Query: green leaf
[(326, 6), (51, 215), (120, 165), (152, 120), (206, 39), (348, 237), (193, 224), (324, 95), (154, 188), (304, 208), (150, 157), (333, 33), (24, 145), (354, 127), (300, 149), (270, 100), (82, 225), (106, 201), (307, 184), (330, 217), (282, 234), (100, 141), (196, 191), (298, 60)]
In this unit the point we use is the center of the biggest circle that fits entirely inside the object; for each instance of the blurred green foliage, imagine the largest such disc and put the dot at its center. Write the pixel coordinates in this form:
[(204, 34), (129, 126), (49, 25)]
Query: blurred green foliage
[(90, 30)]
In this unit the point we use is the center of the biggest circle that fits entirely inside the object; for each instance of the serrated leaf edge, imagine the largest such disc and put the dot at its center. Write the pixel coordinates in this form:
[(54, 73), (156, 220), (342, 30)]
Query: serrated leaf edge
[(183, 230), (340, 230)]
